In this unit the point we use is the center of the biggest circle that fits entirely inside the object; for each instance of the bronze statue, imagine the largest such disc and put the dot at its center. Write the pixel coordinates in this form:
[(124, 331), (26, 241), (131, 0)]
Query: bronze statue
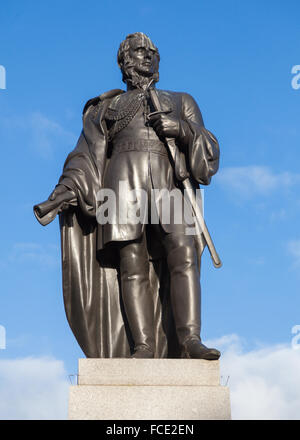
[(132, 288)]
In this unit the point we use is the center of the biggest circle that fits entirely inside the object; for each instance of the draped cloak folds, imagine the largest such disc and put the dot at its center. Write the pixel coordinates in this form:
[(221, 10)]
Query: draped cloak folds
[(91, 281)]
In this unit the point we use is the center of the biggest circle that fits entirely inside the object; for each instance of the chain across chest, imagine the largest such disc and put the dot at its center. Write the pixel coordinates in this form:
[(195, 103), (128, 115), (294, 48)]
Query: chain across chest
[(121, 112), (124, 108)]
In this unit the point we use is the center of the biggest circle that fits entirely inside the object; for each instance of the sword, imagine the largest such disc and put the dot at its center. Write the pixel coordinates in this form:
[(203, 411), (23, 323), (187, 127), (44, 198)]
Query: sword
[(186, 183)]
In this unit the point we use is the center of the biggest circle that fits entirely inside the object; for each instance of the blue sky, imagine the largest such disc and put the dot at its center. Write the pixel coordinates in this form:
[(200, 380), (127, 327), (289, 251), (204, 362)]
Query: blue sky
[(235, 58)]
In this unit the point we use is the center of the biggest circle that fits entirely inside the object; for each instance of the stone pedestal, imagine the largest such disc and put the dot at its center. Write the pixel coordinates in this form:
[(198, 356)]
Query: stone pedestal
[(148, 389)]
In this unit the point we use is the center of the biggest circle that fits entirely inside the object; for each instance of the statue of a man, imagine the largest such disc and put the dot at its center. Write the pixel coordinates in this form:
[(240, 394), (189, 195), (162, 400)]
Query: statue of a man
[(132, 288)]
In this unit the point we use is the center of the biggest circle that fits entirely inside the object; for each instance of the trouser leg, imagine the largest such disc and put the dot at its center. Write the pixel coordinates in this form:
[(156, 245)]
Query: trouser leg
[(136, 294)]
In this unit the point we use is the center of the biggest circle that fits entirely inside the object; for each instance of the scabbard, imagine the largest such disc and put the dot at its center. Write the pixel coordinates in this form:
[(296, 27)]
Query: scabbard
[(200, 224)]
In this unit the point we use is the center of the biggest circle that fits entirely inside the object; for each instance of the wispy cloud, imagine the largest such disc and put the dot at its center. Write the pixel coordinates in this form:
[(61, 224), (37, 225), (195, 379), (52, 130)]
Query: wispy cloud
[(255, 180), (46, 255), (46, 133), (39, 132), (293, 247), (280, 214), (264, 382), (33, 388)]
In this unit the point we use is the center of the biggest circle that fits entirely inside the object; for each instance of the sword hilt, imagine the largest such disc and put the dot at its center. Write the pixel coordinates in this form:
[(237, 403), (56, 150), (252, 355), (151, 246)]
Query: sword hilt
[(158, 112)]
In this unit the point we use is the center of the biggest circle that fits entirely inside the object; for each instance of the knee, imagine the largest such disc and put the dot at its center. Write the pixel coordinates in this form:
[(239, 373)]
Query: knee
[(182, 258), (181, 251), (133, 263)]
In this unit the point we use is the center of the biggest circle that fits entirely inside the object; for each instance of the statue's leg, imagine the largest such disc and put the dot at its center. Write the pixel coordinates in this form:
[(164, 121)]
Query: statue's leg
[(136, 295), (185, 294)]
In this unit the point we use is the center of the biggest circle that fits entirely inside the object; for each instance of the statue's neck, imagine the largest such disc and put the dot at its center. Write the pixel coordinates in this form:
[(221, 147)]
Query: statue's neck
[(140, 82)]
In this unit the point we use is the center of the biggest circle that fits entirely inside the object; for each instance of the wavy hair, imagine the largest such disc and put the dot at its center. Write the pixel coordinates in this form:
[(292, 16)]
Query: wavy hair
[(125, 61)]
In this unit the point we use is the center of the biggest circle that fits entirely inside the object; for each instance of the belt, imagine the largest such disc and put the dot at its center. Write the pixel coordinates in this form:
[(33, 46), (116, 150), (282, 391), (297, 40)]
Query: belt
[(153, 146)]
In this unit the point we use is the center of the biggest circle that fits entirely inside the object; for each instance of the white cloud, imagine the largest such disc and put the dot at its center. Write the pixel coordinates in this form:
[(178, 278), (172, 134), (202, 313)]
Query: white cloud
[(264, 383), (255, 180), (280, 214), (33, 388), (39, 132), (46, 133), (293, 247), (46, 255)]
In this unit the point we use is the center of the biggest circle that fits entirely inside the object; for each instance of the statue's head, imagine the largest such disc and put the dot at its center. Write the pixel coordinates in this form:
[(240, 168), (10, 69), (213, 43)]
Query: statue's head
[(138, 58)]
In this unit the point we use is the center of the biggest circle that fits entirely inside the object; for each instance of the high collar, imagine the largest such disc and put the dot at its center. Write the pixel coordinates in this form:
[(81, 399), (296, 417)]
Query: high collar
[(142, 87)]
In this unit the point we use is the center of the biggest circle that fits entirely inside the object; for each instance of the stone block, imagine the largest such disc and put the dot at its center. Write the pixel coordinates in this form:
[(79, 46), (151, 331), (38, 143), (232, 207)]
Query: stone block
[(148, 389)]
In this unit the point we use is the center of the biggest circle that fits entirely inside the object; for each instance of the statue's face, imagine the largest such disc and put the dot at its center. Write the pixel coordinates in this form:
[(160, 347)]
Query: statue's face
[(143, 56)]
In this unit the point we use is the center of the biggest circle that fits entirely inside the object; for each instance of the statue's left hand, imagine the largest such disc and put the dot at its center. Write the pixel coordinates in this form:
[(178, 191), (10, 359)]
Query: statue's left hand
[(165, 126)]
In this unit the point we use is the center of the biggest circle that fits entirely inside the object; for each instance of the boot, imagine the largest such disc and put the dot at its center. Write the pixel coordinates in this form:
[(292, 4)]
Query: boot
[(194, 349), (138, 302), (185, 298)]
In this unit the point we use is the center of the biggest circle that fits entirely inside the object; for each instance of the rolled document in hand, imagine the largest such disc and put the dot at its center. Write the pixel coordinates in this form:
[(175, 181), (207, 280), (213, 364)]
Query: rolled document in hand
[(46, 212)]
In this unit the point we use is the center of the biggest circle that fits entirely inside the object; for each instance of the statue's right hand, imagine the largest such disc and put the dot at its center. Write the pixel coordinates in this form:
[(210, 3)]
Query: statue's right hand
[(60, 199), (59, 191)]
